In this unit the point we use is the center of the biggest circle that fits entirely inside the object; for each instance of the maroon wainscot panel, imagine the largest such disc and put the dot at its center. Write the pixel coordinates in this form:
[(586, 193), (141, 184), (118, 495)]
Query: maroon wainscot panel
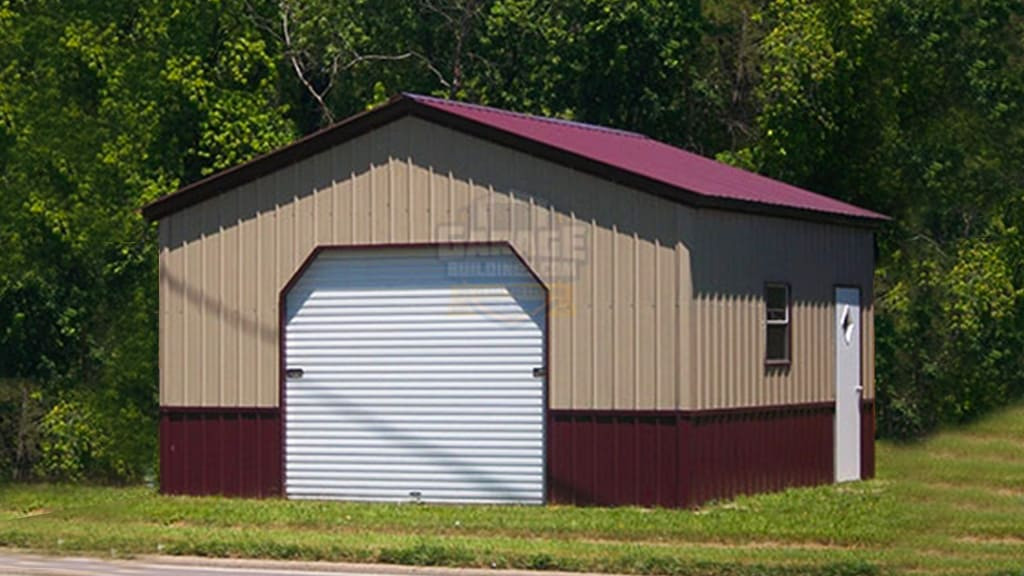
[(679, 459), (609, 458), (867, 439), (760, 449), (229, 451)]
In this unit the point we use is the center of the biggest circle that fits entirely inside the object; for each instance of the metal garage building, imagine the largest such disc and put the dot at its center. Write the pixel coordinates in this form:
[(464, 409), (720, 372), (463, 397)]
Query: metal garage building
[(435, 301)]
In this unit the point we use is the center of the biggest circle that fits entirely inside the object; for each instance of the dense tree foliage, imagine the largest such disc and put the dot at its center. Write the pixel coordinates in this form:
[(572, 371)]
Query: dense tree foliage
[(915, 108), (911, 107), (103, 106)]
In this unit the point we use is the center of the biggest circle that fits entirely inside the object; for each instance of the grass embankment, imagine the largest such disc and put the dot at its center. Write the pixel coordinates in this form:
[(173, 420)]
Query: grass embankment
[(953, 504)]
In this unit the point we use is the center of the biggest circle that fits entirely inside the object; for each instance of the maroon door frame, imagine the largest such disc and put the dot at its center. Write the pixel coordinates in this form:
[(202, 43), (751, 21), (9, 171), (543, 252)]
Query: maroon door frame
[(282, 303)]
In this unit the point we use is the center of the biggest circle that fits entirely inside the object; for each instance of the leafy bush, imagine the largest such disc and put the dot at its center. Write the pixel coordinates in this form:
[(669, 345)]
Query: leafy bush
[(80, 440), (949, 336), (72, 441)]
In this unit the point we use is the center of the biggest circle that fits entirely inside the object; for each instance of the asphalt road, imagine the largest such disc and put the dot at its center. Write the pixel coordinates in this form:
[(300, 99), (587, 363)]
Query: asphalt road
[(19, 564)]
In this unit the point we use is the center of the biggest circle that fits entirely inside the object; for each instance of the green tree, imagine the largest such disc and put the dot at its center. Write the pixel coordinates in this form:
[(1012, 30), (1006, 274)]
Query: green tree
[(107, 105), (914, 108)]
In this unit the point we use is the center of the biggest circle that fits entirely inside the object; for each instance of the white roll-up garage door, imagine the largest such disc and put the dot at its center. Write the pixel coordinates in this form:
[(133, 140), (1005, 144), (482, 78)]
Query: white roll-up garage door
[(411, 376)]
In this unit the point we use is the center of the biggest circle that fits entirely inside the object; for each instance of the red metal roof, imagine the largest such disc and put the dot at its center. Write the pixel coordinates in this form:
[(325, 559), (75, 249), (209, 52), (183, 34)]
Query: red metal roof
[(627, 157), (643, 156)]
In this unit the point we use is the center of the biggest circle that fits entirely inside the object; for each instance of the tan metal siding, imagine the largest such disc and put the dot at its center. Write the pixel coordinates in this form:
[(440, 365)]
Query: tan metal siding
[(629, 329), (733, 256), (165, 321), (230, 326), (193, 312), (210, 328)]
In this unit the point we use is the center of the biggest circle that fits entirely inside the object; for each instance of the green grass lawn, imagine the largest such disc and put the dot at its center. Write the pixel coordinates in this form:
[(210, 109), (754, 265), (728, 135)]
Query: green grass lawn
[(953, 504)]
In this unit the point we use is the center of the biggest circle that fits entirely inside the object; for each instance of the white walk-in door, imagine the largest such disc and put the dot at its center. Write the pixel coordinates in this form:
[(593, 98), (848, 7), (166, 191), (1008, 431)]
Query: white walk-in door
[(848, 384), (415, 375)]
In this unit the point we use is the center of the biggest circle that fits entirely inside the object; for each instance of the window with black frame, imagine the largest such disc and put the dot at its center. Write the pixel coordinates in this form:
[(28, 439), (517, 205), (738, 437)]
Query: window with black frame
[(777, 323)]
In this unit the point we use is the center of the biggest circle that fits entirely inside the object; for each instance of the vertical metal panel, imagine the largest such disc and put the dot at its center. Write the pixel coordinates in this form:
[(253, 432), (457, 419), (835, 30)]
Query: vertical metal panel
[(686, 313), (336, 169), (166, 295), (554, 250), (604, 449), (646, 489), (418, 377), (248, 321), (323, 201), (667, 316), (419, 190), (230, 329), (193, 304), (248, 455), (622, 319), (169, 468), (582, 312), (209, 333), (195, 452), (358, 188), (229, 457), (602, 255), (266, 297), (645, 325)]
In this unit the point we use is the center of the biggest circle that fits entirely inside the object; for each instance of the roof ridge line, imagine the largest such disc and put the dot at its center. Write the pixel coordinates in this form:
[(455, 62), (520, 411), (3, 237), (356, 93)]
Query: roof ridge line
[(545, 119)]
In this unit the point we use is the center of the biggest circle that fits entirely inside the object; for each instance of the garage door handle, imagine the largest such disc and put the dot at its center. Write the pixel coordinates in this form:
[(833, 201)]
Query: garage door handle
[(540, 372), (294, 373)]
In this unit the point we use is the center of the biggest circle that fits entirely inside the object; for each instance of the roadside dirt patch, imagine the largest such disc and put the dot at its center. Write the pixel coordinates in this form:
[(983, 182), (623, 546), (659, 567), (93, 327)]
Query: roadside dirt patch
[(1012, 492), (1005, 540), (33, 514), (721, 545), (1006, 492)]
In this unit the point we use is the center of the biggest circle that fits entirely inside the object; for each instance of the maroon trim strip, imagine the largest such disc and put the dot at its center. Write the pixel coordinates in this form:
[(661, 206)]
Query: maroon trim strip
[(694, 414), (282, 301), (768, 409), (399, 106), (219, 410)]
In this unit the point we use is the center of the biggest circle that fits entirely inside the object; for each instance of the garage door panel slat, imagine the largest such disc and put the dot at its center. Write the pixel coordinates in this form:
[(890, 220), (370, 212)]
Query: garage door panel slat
[(315, 452), (505, 411)]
